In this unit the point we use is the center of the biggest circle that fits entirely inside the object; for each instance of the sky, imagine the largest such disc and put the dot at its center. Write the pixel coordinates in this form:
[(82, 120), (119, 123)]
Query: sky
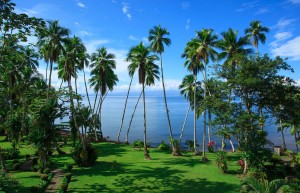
[(119, 25)]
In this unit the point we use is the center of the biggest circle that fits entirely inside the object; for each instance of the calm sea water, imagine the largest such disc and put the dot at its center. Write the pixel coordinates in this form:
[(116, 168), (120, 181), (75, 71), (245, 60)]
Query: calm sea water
[(157, 125)]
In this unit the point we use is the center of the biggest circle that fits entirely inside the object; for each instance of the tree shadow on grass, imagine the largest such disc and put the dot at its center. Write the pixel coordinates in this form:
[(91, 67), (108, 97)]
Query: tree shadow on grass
[(162, 179), (107, 149)]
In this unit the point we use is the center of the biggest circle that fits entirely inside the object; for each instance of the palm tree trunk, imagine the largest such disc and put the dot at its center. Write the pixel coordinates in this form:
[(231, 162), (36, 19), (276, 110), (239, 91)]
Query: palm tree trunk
[(282, 134), (208, 127), (50, 75), (204, 121), (296, 141), (86, 90), (118, 138), (146, 154), (126, 140), (195, 116), (47, 63), (165, 99), (232, 146), (183, 127)]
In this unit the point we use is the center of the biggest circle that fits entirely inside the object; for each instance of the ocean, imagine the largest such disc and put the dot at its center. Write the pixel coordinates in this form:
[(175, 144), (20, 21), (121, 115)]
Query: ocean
[(157, 125)]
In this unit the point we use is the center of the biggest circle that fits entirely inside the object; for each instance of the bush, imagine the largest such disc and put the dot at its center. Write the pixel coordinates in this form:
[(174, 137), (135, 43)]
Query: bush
[(47, 171), (190, 144), (68, 176), (16, 166), (7, 183), (163, 146), (138, 144), (85, 156), (68, 167), (222, 161), (44, 177), (64, 187), (210, 146), (10, 153), (15, 161)]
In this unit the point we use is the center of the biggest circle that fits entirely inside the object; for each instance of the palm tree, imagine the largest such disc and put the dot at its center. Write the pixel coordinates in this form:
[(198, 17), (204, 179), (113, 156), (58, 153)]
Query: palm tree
[(103, 79), (195, 66), (206, 41), (232, 48), (157, 42), (187, 89), (257, 32), (51, 42), (67, 69), (142, 60), (131, 73)]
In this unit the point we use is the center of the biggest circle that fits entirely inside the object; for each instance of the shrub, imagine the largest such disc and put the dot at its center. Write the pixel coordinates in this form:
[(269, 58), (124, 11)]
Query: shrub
[(47, 171), (68, 167), (210, 146), (7, 183), (10, 153), (190, 144), (163, 146), (85, 156), (222, 161), (138, 144), (16, 166), (64, 187), (44, 177)]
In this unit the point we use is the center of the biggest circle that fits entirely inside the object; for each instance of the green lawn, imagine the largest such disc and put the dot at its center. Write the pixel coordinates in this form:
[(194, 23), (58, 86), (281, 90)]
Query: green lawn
[(120, 168)]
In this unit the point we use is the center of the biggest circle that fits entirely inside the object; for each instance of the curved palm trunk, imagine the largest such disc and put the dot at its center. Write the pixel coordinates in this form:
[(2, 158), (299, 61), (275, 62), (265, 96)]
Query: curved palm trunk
[(195, 116), (232, 146), (77, 100), (208, 127), (165, 99), (50, 75), (86, 90), (72, 107), (204, 121), (146, 154), (282, 134), (47, 63), (126, 140), (118, 138), (183, 127), (295, 136)]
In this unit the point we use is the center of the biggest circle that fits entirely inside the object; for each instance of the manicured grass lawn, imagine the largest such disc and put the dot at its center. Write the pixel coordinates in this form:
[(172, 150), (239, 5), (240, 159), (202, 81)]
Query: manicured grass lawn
[(120, 168)]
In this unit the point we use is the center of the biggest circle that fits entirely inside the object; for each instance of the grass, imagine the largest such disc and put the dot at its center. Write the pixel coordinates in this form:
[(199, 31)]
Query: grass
[(120, 168)]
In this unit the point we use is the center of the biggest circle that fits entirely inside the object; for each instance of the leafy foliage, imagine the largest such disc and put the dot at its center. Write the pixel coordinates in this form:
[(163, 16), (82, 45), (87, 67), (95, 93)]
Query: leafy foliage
[(85, 155)]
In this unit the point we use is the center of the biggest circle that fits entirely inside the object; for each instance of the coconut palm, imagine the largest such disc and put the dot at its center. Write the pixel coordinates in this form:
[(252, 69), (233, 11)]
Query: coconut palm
[(142, 60), (103, 79), (51, 42), (157, 41), (193, 65), (257, 32), (186, 90), (232, 47)]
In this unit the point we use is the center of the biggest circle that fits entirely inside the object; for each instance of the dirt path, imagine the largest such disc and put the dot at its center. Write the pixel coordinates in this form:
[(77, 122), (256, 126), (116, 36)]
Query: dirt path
[(56, 181)]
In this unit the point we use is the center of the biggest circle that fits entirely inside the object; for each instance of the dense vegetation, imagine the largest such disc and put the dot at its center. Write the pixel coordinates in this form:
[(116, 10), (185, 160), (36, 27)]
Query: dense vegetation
[(30, 104)]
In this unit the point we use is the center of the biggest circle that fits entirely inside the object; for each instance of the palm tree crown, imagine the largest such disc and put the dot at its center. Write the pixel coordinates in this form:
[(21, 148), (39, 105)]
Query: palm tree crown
[(157, 39), (257, 32)]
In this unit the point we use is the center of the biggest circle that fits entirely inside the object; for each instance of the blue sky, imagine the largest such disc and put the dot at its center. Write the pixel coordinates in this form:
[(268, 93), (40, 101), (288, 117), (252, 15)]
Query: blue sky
[(120, 24)]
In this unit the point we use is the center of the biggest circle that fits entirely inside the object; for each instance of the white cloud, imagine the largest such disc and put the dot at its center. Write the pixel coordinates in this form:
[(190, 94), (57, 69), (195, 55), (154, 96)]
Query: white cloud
[(246, 6), (145, 40), (294, 1), (93, 45), (289, 49), (76, 23), (280, 37), (187, 25), (185, 5), (84, 33), (131, 37), (262, 11), (125, 9), (282, 24), (80, 4)]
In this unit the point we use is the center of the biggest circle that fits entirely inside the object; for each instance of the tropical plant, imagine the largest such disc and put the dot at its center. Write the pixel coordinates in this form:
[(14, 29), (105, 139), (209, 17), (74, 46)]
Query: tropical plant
[(222, 161), (157, 41), (142, 60)]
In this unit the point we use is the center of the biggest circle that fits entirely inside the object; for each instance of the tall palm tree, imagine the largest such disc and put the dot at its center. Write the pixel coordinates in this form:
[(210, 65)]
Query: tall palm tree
[(186, 90), (206, 41), (103, 79), (131, 73), (157, 41), (51, 42), (142, 60), (232, 47), (67, 69), (257, 32), (193, 65)]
